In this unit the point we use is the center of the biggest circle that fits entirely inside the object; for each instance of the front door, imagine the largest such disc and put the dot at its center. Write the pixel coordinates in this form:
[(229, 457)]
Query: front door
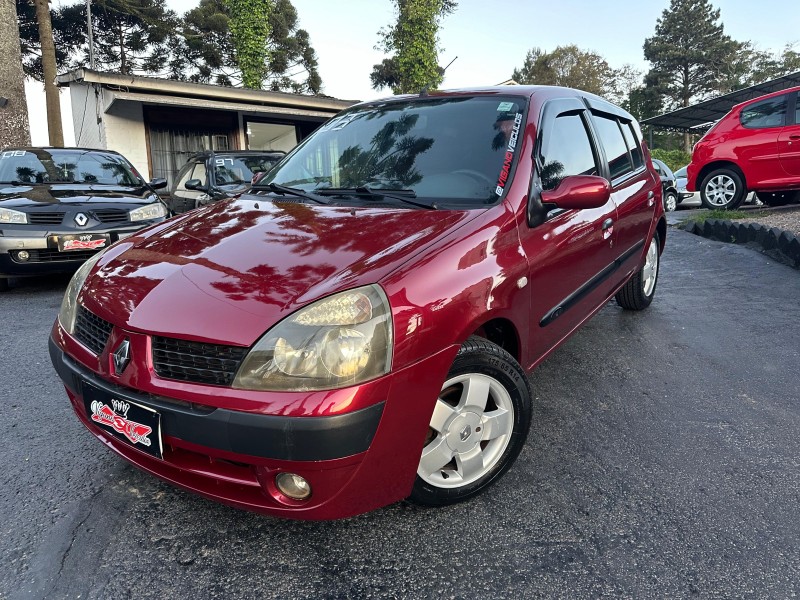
[(570, 253)]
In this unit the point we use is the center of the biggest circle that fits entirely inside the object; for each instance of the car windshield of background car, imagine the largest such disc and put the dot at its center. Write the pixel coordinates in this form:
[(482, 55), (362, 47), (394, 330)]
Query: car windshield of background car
[(65, 166), (457, 149)]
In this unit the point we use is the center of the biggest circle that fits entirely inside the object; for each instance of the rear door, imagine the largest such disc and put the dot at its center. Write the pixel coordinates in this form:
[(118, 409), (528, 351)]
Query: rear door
[(789, 138), (570, 252), (634, 188)]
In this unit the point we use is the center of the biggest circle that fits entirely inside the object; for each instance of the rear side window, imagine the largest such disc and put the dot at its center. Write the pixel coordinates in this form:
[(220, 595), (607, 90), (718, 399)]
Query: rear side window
[(769, 113), (619, 162), (566, 151), (634, 145)]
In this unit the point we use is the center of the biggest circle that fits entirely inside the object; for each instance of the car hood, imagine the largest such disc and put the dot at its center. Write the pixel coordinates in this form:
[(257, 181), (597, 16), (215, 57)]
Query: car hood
[(229, 272), (18, 196)]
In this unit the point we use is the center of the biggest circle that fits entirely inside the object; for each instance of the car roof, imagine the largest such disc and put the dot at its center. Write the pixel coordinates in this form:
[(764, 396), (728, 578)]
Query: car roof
[(33, 149), (766, 97)]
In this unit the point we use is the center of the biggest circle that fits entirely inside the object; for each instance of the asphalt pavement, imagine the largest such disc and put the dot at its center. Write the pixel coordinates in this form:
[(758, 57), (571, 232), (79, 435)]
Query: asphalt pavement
[(663, 462)]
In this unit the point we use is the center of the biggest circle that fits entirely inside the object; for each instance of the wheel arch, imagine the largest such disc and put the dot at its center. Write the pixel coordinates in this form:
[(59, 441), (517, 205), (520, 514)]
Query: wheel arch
[(661, 230), (720, 164), (501, 332)]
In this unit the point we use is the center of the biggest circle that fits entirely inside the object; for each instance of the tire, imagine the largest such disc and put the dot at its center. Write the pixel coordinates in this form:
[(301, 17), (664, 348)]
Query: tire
[(722, 189), (670, 201), (779, 198), (485, 395), (638, 293), (4, 284)]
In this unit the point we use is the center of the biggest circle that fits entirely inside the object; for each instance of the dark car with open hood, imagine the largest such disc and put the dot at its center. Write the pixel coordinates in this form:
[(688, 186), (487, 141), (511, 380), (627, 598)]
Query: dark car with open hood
[(60, 206)]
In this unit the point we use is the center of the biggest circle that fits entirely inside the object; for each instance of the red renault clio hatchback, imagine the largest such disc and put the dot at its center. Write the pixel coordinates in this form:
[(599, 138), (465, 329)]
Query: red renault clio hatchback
[(358, 329)]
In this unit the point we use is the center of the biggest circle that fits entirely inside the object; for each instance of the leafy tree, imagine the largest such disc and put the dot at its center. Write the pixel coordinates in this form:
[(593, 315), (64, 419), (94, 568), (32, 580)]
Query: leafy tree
[(248, 21), (207, 52), (568, 66), (414, 41), (689, 53), (752, 66)]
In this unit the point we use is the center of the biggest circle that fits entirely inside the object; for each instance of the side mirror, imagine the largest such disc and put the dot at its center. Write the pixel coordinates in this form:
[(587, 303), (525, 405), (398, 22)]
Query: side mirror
[(159, 183), (579, 192), (194, 184)]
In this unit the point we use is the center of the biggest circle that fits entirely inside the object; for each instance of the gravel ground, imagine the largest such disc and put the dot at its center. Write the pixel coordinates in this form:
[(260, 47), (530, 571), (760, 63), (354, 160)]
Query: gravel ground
[(787, 218)]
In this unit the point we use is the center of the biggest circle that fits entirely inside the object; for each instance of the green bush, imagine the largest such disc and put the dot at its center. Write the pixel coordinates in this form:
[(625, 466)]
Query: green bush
[(674, 159)]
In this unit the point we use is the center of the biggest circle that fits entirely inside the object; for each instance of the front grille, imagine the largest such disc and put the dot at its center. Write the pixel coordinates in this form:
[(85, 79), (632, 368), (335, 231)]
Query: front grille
[(196, 362), (91, 330), (45, 218), (51, 256), (111, 215)]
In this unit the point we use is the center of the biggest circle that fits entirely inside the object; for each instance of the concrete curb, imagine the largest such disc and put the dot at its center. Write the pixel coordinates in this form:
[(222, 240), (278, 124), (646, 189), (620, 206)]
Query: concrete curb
[(777, 243)]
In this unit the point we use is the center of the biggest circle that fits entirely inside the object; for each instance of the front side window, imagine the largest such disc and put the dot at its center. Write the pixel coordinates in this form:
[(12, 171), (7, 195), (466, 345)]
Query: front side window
[(459, 149), (769, 113), (566, 150), (619, 162), (65, 166)]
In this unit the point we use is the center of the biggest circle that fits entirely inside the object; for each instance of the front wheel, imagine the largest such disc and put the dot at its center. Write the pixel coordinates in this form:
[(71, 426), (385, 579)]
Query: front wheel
[(478, 427), (638, 293), (722, 189), (670, 201)]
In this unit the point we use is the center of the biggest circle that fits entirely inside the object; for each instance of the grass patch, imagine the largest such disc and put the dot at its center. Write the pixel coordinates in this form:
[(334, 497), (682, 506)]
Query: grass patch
[(730, 215)]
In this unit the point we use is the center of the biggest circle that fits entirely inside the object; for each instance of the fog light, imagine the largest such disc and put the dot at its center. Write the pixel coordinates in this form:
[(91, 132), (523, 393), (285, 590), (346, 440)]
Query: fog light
[(23, 255), (293, 486)]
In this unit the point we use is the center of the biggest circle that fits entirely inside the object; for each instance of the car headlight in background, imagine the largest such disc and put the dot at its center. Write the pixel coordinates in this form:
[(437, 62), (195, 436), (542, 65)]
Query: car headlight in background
[(69, 305), (12, 216), (150, 211), (341, 340)]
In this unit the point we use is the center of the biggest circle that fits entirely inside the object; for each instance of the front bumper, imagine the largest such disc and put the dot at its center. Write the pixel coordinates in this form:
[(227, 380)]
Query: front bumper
[(355, 460), (43, 248)]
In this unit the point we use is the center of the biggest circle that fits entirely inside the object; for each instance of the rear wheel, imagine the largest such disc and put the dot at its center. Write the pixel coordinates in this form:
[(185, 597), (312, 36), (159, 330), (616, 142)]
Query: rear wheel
[(723, 188), (478, 427), (779, 198), (670, 201), (638, 293)]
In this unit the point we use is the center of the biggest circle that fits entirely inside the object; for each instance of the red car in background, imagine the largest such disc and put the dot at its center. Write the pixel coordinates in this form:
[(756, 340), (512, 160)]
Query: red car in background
[(755, 147), (357, 330)]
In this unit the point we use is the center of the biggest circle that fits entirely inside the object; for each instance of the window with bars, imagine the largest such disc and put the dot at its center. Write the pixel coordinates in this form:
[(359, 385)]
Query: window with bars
[(170, 149)]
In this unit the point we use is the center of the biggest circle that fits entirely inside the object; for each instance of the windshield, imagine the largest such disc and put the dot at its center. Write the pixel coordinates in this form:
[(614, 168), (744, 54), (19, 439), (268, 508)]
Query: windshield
[(66, 166), (236, 170), (460, 149)]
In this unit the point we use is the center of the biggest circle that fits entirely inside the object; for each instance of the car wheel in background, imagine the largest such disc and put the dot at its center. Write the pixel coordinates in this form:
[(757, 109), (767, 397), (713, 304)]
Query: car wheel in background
[(478, 427), (722, 189), (638, 293), (779, 198), (670, 201)]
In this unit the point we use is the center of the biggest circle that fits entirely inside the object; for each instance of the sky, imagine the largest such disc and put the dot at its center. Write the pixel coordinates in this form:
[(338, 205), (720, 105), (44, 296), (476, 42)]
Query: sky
[(490, 38)]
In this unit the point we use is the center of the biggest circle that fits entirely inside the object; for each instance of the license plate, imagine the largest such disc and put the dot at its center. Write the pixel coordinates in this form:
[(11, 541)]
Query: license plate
[(132, 423), (84, 241)]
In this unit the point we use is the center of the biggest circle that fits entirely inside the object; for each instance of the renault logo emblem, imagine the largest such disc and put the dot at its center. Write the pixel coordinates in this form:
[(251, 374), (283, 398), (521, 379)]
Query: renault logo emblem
[(81, 219), (465, 433), (122, 357)]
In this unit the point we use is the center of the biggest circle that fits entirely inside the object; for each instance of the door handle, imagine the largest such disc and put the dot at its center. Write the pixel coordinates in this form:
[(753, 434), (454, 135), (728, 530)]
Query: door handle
[(608, 224), (650, 198), (794, 137)]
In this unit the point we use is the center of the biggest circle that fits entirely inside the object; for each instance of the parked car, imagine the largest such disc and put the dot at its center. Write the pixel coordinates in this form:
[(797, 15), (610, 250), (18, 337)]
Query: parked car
[(669, 190), (60, 206), (752, 148), (359, 328), (213, 176)]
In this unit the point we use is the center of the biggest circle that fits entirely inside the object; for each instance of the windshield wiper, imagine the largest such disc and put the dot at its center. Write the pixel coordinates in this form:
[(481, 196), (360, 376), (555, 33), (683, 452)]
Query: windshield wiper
[(291, 191), (365, 190)]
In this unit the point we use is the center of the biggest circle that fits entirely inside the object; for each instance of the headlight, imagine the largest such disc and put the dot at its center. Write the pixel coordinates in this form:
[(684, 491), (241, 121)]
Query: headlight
[(12, 216), (69, 305), (341, 340), (151, 211)]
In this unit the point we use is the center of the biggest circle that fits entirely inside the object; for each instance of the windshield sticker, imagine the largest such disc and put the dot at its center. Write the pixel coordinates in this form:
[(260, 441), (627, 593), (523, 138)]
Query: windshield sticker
[(505, 106), (12, 153), (510, 149), (221, 162)]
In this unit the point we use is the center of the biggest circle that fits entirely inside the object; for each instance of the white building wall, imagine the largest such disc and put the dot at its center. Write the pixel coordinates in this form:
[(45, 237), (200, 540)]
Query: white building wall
[(86, 115), (125, 133)]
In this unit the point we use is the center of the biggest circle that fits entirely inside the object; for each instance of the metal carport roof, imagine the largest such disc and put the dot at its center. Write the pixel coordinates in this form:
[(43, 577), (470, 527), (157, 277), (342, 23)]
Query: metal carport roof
[(703, 114)]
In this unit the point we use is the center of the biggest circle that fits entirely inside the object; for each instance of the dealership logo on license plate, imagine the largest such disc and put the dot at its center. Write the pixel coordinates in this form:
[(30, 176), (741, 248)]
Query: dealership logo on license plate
[(115, 416)]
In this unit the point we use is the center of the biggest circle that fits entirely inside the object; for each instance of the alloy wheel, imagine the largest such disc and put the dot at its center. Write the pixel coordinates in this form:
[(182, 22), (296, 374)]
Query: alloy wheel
[(650, 270), (720, 190)]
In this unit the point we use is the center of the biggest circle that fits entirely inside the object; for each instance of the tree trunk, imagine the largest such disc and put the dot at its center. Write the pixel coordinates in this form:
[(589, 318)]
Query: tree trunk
[(14, 129), (54, 129)]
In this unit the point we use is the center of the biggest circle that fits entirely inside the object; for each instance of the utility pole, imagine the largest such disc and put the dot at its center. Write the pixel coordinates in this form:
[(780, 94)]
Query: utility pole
[(52, 99), (90, 33), (14, 130)]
